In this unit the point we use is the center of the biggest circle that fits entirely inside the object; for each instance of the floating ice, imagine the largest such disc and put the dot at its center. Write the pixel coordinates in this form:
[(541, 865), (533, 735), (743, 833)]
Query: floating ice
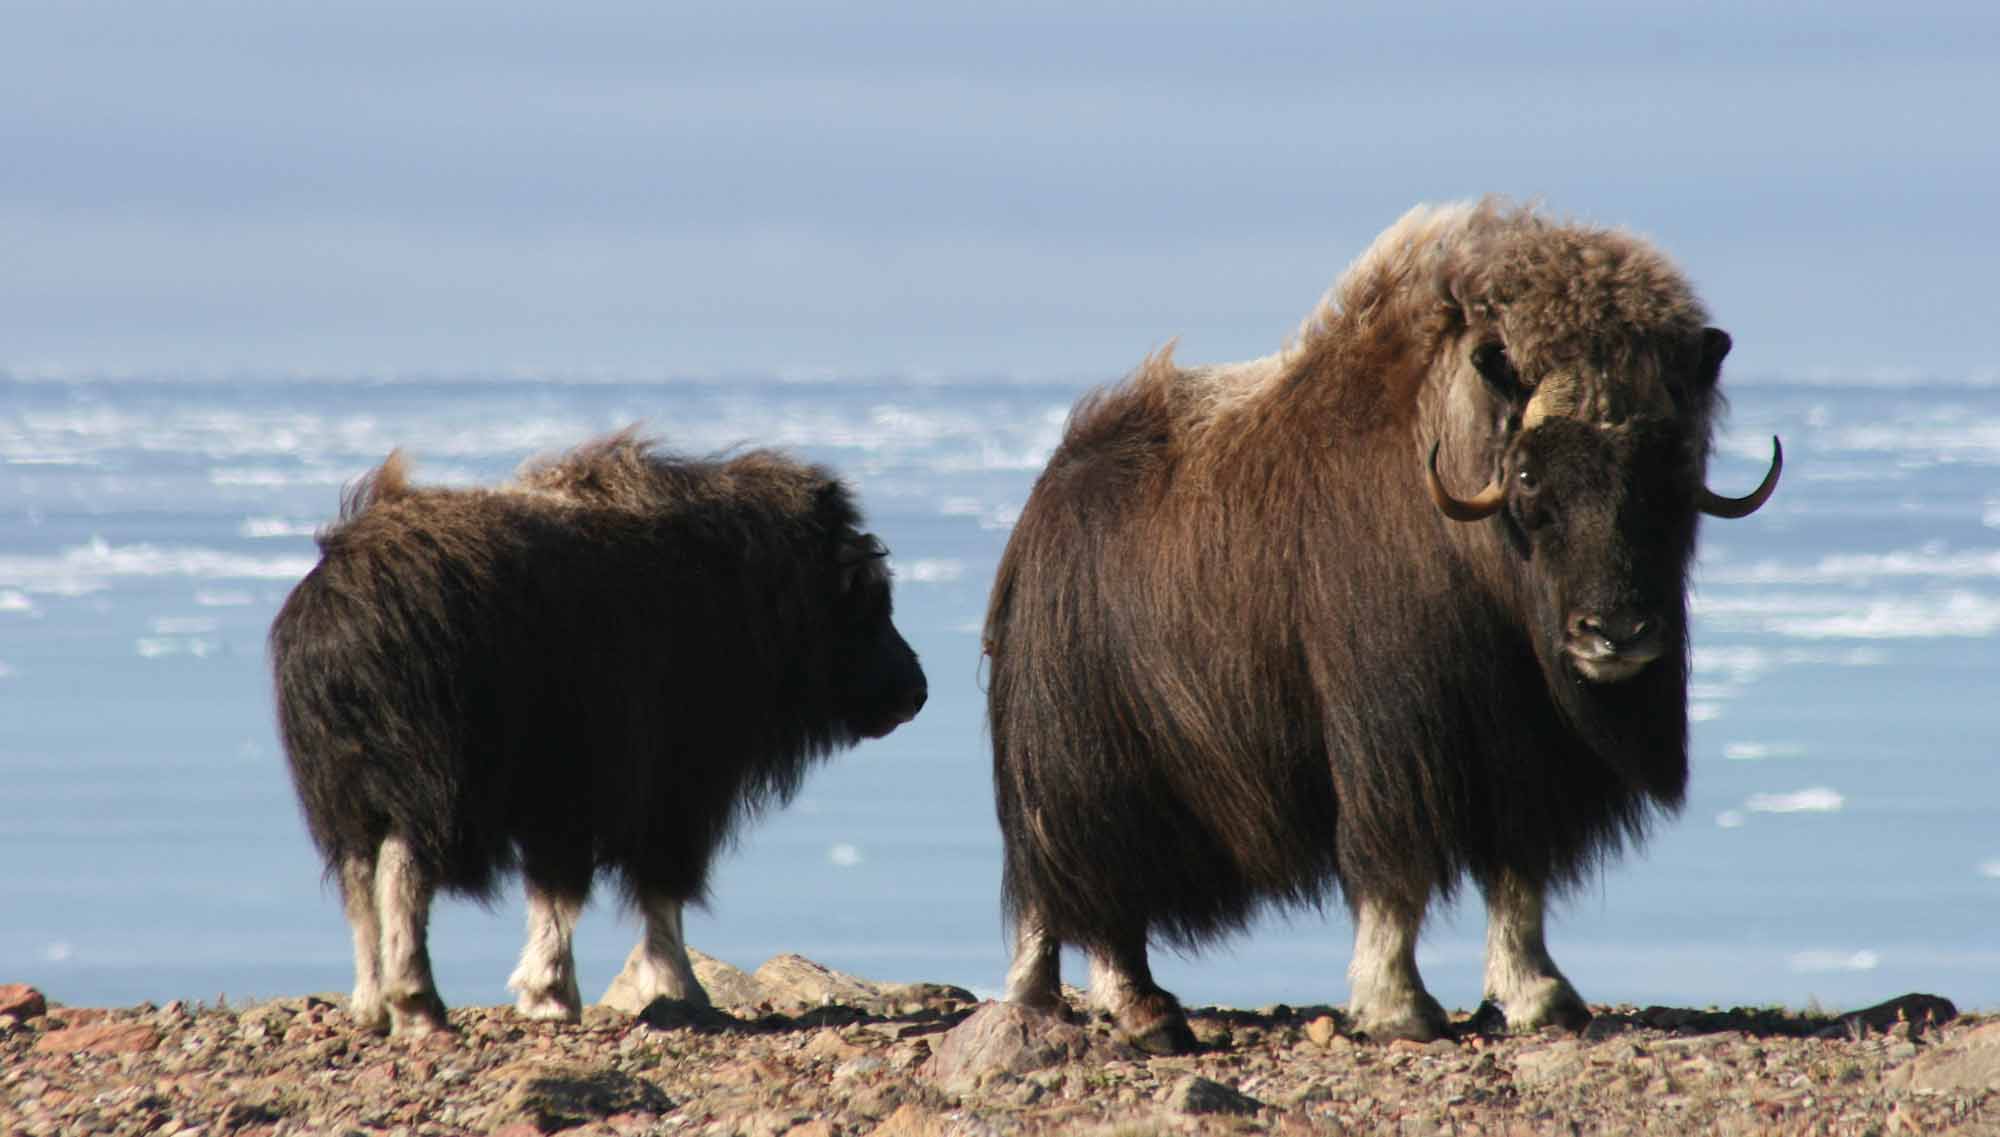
[(58, 952), (158, 647), (1818, 799), (90, 568), (1958, 613), (1990, 869), (1758, 751), (261, 527), (844, 855), (13, 600), (1816, 962), (223, 598), (1731, 819), (939, 570)]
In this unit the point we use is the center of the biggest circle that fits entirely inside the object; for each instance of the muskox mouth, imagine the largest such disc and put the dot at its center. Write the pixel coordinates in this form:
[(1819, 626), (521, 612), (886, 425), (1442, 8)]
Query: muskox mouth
[(1599, 661)]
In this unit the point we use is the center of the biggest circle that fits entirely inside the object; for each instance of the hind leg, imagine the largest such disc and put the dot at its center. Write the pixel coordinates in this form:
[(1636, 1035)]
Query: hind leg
[(1121, 985), (658, 967), (1034, 979), (403, 905), (1387, 999), (357, 895), (1521, 979), (545, 980)]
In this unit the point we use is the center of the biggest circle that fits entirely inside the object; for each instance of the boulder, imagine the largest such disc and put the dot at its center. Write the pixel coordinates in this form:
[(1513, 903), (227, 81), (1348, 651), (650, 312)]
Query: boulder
[(22, 1001), (1194, 1095), (794, 980), (550, 1098), (1004, 1037), (1969, 1062)]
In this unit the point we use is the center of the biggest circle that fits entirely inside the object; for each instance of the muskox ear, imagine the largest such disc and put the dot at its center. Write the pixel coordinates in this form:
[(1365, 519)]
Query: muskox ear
[(1490, 360), (1715, 345)]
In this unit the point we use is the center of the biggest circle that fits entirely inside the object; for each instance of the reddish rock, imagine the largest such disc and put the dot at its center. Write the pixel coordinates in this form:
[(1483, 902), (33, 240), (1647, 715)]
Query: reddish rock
[(100, 1038), (22, 1001), (1005, 1037), (912, 1121)]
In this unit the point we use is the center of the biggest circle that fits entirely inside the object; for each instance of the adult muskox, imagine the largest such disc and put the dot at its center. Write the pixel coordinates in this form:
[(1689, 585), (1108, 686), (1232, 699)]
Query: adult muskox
[(606, 666), (1248, 647)]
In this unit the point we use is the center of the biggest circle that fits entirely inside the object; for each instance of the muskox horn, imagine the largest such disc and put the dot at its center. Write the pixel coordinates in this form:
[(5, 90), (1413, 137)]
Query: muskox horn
[(1477, 508), (1715, 505)]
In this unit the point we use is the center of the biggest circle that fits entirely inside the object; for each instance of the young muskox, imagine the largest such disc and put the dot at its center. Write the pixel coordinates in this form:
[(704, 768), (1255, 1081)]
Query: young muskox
[(605, 666), (1247, 649)]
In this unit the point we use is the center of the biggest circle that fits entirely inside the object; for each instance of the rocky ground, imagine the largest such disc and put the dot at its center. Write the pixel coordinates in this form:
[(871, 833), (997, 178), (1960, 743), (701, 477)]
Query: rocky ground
[(803, 1050)]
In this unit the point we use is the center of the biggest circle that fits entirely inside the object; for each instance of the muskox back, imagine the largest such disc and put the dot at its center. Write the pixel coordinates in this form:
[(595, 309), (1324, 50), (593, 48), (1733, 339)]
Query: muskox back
[(605, 666)]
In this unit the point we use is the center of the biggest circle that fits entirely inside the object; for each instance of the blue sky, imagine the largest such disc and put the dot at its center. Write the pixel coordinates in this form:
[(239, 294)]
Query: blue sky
[(1041, 190)]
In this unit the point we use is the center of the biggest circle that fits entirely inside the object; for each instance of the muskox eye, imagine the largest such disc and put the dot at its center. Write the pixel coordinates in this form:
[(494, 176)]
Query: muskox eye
[(1490, 360), (1527, 479)]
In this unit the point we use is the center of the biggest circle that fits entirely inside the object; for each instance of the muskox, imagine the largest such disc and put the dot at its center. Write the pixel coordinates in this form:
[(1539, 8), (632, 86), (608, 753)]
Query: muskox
[(1257, 637), (607, 665)]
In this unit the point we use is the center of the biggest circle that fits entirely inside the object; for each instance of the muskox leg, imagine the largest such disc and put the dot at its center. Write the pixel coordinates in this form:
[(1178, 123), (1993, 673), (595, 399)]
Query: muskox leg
[(365, 1008), (1521, 979), (546, 977), (1387, 996), (1121, 985), (403, 905), (658, 967), (1034, 979)]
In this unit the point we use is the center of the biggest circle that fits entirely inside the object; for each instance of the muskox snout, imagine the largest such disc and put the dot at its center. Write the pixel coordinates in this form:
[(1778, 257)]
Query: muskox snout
[(1607, 646)]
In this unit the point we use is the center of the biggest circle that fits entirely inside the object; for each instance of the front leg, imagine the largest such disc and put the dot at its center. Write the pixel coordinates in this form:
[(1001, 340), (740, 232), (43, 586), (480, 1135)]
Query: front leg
[(1387, 999), (1521, 979), (546, 977), (658, 967)]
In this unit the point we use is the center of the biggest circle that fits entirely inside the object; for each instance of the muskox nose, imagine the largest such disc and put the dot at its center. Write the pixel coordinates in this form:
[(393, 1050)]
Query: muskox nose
[(1608, 646), (914, 702), (1618, 630)]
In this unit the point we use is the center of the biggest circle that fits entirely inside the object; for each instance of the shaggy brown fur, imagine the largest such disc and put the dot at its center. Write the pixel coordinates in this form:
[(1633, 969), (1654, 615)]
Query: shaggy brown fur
[(606, 666), (1238, 655)]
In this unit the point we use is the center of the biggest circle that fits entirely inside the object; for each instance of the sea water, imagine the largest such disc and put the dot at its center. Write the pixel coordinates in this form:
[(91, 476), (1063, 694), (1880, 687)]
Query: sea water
[(1839, 843)]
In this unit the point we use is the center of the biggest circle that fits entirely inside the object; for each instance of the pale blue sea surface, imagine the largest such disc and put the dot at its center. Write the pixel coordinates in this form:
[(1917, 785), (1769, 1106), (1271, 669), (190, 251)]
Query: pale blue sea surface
[(1839, 842)]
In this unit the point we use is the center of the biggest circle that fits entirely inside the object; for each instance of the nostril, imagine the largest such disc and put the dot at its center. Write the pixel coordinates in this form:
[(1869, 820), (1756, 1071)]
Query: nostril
[(1617, 629), (918, 699)]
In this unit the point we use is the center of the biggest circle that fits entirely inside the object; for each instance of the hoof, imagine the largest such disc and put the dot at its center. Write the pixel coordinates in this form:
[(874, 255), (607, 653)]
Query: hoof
[(545, 1007), (1157, 1026), (1421, 1021), (418, 1016), (370, 1015), (1553, 1003)]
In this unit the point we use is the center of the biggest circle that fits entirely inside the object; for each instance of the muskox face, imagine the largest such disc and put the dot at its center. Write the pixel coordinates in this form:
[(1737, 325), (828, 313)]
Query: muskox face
[(880, 685), (1604, 517)]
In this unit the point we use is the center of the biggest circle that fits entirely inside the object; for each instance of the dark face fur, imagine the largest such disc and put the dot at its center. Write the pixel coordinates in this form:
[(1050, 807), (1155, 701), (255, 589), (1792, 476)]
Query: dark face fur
[(1605, 518), (881, 684)]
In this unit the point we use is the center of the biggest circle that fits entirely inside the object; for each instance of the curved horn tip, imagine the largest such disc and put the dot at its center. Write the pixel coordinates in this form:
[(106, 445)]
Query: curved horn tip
[(1731, 508), (1477, 508)]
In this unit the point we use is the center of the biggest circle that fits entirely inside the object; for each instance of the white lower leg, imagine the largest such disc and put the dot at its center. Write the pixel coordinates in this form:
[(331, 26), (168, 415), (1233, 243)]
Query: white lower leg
[(403, 905), (546, 977), (1113, 988), (357, 895), (1520, 976), (1386, 995), (1034, 979), (658, 967)]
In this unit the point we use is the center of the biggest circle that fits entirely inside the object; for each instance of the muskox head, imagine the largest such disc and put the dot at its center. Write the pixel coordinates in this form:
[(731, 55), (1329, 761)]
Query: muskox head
[(879, 683), (1605, 518)]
